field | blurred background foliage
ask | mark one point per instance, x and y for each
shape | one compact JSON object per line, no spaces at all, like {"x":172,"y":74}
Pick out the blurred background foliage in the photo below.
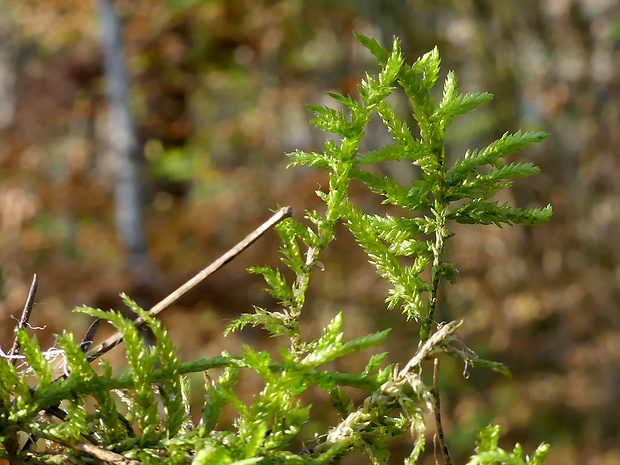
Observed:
{"x":218,"y":93}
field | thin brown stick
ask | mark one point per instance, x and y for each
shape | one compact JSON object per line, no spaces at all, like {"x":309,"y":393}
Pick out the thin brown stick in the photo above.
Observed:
{"x":23,"y":322}
{"x":100,"y":453}
{"x":442,"y":439}
{"x":117,"y":337}
{"x":90,"y":335}
{"x":103,"y":454}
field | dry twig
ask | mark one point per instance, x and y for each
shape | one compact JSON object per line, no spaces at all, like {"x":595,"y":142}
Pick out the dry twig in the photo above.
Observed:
{"x":23,"y":322}
{"x":117,"y":337}
{"x":89,"y":336}
{"x":437,"y":407}
{"x":101,"y":453}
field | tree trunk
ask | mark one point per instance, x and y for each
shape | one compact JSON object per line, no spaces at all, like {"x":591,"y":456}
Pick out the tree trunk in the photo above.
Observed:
{"x":7,"y":73}
{"x":124,"y":142}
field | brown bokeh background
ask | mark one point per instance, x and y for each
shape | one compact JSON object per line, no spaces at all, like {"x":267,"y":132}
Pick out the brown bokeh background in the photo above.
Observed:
{"x":218,"y":94}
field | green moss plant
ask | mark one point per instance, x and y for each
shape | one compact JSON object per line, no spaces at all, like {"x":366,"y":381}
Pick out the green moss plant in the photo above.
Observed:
{"x":142,"y":414}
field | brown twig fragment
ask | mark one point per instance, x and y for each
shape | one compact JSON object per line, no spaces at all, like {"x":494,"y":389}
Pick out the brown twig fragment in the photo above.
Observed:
{"x":90,"y":335}
{"x":437,"y":407}
{"x":99,"y":453}
{"x":103,"y":454}
{"x":23,"y":322}
{"x":117,"y":337}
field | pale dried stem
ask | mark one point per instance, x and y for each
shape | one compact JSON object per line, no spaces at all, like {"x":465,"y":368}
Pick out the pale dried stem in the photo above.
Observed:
{"x":117,"y":337}
{"x":100,"y":453}
{"x":390,"y":391}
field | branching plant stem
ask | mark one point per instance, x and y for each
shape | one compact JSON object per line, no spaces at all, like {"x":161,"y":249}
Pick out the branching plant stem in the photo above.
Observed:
{"x":398,"y":399}
{"x":425,"y":330}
